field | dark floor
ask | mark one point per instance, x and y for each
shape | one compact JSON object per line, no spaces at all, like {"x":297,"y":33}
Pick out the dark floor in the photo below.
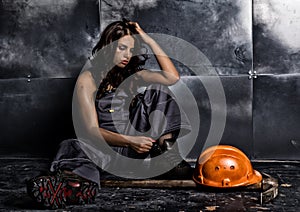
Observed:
{"x":15,"y":171}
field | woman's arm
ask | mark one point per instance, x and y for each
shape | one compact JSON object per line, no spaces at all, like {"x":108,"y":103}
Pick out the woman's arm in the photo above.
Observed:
{"x":84,"y":90}
{"x":169,"y":74}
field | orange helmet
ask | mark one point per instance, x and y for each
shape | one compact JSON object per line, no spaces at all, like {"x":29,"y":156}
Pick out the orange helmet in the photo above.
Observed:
{"x":225,"y":166}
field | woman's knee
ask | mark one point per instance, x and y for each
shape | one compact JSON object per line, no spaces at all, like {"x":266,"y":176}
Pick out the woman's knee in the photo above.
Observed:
{"x":156,"y":93}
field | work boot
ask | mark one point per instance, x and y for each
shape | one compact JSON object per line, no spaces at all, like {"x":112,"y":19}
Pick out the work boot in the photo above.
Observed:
{"x":181,"y":170}
{"x":61,"y":189}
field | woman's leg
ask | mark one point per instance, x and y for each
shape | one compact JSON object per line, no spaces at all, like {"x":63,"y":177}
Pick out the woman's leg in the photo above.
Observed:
{"x":70,"y":156}
{"x":156,"y":114}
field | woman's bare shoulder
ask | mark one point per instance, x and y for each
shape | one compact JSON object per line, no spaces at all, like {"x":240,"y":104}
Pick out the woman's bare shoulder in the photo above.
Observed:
{"x":86,"y":80}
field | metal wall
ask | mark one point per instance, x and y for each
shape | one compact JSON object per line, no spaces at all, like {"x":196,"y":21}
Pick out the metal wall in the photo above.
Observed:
{"x":276,"y":111}
{"x":45,"y":43}
{"x":222,"y":31}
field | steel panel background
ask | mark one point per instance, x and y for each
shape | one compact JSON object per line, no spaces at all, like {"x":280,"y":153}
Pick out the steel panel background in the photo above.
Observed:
{"x":276,"y":36}
{"x":47,"y":43}
{"x":48,"y":38}
{"x":43,"y":47}
{"x":35,"y":116}
{"x":276,"y":117}
{"x":222,"y":30}
{"x":238,"y":128}
{"x":276,"y":113}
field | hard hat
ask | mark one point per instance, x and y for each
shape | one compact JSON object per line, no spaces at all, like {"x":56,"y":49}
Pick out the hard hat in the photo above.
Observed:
{"x":225,"y":166}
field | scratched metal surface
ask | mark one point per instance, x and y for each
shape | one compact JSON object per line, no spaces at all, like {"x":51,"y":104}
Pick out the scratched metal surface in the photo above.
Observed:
{"x":276,"y":114}
{"x":276,"y":117}
{"x":276,"y":36}
{"x":43,"y":46}
{"x":238,"y":127}
{"x":41,"y":40}
{"x":35,"y":115}
{"x":220,"y":29}
{"x":48,"y":39}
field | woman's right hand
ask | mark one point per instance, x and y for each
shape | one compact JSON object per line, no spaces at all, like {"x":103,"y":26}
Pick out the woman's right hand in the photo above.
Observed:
{"x":140,"y":144}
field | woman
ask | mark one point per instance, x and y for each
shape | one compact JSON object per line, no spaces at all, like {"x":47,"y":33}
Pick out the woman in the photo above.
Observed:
{"x":134,"y":133}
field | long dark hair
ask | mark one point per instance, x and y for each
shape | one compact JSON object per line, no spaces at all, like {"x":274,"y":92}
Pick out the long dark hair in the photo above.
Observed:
{"x":103,"y":59}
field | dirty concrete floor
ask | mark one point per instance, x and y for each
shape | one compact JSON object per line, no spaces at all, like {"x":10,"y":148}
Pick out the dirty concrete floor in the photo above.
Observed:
{"x":14,"y":172}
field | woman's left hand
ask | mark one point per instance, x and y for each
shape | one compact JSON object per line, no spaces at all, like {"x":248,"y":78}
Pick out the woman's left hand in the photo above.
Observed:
{"x":147,"y":39}
{"x":137,"y":26}
{"x":169,"y":74}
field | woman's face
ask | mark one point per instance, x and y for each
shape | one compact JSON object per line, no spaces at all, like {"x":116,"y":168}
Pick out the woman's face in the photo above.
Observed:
{"x":124,"y":51}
